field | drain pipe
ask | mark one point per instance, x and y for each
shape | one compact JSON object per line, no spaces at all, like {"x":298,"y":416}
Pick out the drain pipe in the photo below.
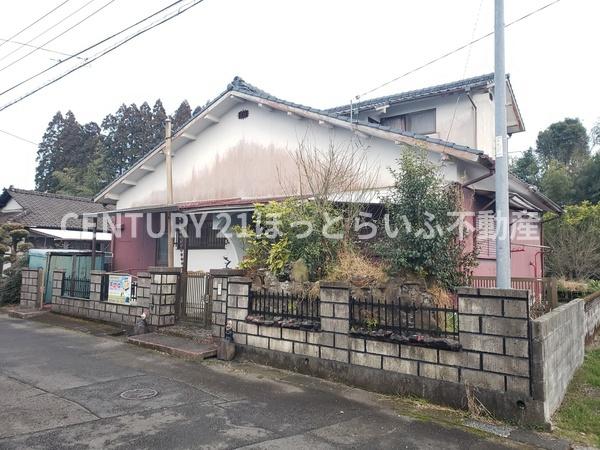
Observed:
{"x":478,"y":179}
{"x":474,"y":118}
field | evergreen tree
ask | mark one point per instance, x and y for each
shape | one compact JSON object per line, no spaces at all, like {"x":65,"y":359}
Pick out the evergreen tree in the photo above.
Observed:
{"x":557,"y":183}
{"x":182,"y":115}
{"x":45,"y":154}
{"x":526,"y":167}
{"x":566,"y":142}
{"x":158,"y":122}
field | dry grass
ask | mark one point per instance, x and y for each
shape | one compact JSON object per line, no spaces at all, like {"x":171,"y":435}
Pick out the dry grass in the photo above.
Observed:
{"x":441,"y":296}
{"x":357,"y":269}
{"x":474,"y":406}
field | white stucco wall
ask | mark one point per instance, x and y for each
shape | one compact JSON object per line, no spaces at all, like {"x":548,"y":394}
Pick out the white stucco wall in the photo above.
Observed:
{"x":12,"y":205}
{"x":463,"y":129}
{"x":250,"y":158}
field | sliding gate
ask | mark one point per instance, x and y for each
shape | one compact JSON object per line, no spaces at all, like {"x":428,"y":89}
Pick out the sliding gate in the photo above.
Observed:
{"x":195,"y":304}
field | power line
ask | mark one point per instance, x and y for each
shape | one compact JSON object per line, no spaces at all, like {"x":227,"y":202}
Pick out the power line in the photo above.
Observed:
{"x":76,"y":55}
{"x":103,"y":53}
{"x":35,"y":46}
{"x":18,"y":137}
{"x":456,"y":50}
{"x":89,"y":16}
{"x":36,"y":21}
{"x":48,"y":29}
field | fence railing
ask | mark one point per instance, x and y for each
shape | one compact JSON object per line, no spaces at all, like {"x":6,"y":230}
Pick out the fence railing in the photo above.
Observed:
{"x":284,"y":306}
{"x":543,"y":292}
{"x":403,"y":317}
{"x":75,"y":287}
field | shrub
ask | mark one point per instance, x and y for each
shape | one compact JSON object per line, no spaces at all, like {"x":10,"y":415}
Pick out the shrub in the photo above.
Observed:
{"x":279,"y":241}
{"x":418,"y":196}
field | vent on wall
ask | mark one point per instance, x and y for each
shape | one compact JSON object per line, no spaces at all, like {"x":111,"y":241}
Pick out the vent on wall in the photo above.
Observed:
{"x":243,"y":114}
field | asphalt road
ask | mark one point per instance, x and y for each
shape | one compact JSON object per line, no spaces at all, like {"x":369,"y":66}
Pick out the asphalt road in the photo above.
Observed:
{"x":60,"y":388}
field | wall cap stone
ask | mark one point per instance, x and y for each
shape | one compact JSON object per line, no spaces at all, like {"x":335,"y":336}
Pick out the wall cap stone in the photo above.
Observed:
{"x":334,"y":284}
{"x":239,"y":280}
{"x":493,"y":292}
{"x":158,"y":269}
{"x":227,"y":272}
{"x":97,"y":272}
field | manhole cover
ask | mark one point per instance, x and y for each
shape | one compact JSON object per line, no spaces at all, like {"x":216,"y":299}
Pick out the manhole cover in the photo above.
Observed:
{"x":139,"y":394}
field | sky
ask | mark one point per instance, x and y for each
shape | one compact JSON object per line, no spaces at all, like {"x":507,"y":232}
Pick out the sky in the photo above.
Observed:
{"x":314,"y":52}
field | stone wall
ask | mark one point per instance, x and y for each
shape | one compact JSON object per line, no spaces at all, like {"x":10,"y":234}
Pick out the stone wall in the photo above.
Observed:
{"x":592,"y":317}
{"x":493,"y":364}
{"x":156,"y":296}
{"x":219,"y":288}
{"x":32,"y":292}
{"x":558,"y":349}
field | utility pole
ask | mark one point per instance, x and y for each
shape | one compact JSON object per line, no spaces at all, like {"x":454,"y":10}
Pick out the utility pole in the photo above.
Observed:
{"x":169,"y":168}
{"x":502,"y":207}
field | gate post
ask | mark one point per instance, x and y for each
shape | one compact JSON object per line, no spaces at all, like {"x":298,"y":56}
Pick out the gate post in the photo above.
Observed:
{"x":218,"y":297}
{"x":163,"y":295}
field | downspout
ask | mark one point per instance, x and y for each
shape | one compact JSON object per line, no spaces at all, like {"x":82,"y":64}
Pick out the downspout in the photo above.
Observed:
{"x":474,"y":118}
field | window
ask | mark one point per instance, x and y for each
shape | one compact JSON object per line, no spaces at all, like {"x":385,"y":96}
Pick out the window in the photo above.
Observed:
{"x":419,"y":122}
{"x":208,"y":239}
{"x":486,"y":234}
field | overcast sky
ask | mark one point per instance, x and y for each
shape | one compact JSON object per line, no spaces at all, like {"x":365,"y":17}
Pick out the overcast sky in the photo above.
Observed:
{"x":315,"y":52}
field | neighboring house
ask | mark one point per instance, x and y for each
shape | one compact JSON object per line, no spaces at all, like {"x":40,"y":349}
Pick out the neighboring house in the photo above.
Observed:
{"x":236,"y":152}
{"x":42,"y":215}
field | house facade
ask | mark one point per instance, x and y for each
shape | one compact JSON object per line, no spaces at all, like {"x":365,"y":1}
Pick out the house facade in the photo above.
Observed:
{"x":239,"y":151}
{"x":52,"y":219}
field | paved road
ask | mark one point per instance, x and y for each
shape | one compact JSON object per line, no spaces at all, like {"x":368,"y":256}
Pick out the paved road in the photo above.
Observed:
{"x":60,"y":388}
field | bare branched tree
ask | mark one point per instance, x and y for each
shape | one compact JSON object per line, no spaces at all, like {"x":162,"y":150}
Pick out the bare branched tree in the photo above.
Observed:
{"x":341,"y":173}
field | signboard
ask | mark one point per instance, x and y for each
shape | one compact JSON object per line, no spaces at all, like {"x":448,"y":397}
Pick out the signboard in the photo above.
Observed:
{"x":119,"y":289}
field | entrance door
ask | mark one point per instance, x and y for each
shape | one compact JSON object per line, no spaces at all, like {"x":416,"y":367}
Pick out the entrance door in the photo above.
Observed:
{"x":195,"y":305}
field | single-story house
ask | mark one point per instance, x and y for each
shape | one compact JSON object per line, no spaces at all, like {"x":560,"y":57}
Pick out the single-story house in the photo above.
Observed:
{"x":237,"y":151}
{"x":52,"y":219}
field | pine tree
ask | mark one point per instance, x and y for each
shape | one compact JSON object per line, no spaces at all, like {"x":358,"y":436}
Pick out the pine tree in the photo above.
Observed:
{"x":182,"y":115}
{"x":45,"y":154}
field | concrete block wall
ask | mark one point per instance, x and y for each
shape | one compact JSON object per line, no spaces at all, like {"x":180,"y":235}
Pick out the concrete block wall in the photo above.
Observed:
{"x":494,"y":330}
{"x":93,"y":308}
{"x":592,"y":317}
{"x":219,"y":289}
{"x":558,"y":347}
{"x":495,"y":354}
{"x":164,"y":285}
{"x":31,"y":288}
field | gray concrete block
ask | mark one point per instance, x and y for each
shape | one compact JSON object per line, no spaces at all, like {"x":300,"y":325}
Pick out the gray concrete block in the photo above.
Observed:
{"x":482,"y":379}
{"x":365,"y":359}
{"x":341,"y":341}
{"x":248,"y":328}
{"x":341,"y":311}
{"x":400,"y":365}
{"x":480,"y":342}
{"x":515,"y":308}
{"x":517,"y":347}
{"x":334,"y":354}
{"x":320,"y":338}
{"x":258,"y":341}
{"x":293,"y":335}
{"x":469,"y":323}
{"x":471,"y":360}
{"x":506,"y":364}
{"x":480,"y":305}
{"x":504,"y":326}
{"x":383,"y":348}
{"x":418,"y":353}
{"x":335,"y":325}
{"x":356,"y":344}
{"x":438,"y":372}
{"x":326,"y":309}
{"x":301,"y":348}
{"x":281,"y":345}
{"x":267,"y":331}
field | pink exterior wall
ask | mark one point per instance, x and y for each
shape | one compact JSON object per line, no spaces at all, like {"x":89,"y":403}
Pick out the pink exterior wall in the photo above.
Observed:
{"x":133,"y":255}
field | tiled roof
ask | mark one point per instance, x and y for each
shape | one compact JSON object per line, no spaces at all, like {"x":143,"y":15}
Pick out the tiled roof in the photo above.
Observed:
{"x":239,"y":85}
{"x":468,"y":83}
{"x":41,"y":209}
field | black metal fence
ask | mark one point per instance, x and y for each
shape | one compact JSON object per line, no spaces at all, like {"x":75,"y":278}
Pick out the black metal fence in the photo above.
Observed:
{"x":284,"y":306}
{"x":400,"y":316}
{"x":75,"y":287}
